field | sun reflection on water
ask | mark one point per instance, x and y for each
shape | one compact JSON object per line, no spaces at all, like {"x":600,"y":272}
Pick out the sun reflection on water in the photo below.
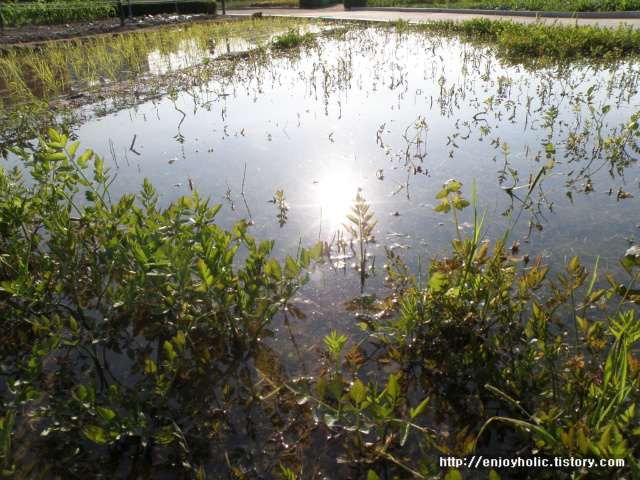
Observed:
{"x":335,"y":196}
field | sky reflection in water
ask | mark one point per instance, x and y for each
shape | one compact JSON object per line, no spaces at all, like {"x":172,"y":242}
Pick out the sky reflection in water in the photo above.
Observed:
{"x":346,"y":116}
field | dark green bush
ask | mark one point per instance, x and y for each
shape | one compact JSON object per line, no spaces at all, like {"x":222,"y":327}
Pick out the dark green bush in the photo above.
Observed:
{"x":313,"y":3}
{"x":64,"y":11}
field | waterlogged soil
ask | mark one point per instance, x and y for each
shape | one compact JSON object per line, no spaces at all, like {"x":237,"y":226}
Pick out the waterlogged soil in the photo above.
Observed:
{"x":31,"y":36}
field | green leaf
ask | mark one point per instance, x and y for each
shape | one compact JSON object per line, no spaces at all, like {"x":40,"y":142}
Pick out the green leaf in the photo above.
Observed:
{"x":372,"y":475}
{"x":358,"y":393}
{"x":150,"y":368}
{"x":55,"y":157}
{"x":72,"y":148}
{"x":240,"y":228}
{"x":54,"y":135}
{"x":291,"y":265}
{"x":286,"y":474}
{"x":575,"y":263}
{"x":213,"y":210}
{"x":81,"y":392}
{"x":353,"y":219}
{"x":596,"y":296}
{"x":393,"y":389}
{"x":442,"y":193}
{"x":86,"y":156}
{"x":169,"y":352}
{"x":106,"y":415}
{"x":336,"y":387}
{"x":455,"y":186}
{"x":95,"y":434}
{"x":304,"y":258}
{"x":453,"y":475}
{"x":438,"y":282}
{"x":276,"y":271}
{"x":205,"y":273}
{"x":420,"y":409}
{"x":321,"y":387}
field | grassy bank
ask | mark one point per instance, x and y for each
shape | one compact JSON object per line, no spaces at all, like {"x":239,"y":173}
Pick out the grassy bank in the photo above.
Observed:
{"x":522,"y":5}
{"x":520,"y":42}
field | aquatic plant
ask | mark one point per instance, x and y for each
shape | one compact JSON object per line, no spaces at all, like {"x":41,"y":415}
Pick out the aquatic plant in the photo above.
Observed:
{"x":280,"y":199}
{"x":79,"y":65}
{"x":83,"y":277}
{"x":293,"y":38}
{"x":478,"y":325}
{"x":361,"y":228}
{"x":169,"y":357}
{"x":544,"y":40}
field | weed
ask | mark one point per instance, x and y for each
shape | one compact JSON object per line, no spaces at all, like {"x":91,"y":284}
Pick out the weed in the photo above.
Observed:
{"x":292,"y":39}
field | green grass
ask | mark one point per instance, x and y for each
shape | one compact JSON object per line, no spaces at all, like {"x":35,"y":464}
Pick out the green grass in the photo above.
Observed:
{"x":517,"y":40}
{"x":522,"y":5}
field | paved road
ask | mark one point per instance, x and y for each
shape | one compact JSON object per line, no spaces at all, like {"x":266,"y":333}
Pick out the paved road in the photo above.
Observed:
{"x":414,"y":15}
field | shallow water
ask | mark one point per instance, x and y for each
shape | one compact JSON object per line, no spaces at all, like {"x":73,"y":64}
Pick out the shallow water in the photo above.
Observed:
{"x":347,"y":115}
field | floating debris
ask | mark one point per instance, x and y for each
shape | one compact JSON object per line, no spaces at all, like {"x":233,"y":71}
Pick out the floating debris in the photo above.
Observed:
{"x":633,"y":255}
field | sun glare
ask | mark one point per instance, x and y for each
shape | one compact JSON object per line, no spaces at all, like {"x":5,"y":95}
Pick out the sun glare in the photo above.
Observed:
{"x":335,"y":195}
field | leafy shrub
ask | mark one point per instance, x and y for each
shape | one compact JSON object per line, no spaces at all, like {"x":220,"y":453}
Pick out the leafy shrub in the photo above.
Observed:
{"x":84,"y":280}
{"x":61,"y":11}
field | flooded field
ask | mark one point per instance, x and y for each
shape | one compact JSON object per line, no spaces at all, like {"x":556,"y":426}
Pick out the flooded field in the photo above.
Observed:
{"x":338,"y":150}
{"x":393,"y":117}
